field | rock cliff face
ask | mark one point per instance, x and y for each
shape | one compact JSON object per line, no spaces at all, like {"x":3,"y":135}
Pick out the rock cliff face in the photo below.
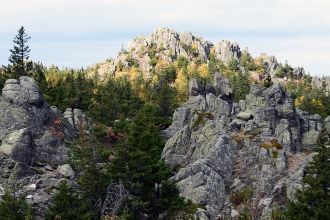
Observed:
{"x":219,"y":149}
{"x":34,"y":142}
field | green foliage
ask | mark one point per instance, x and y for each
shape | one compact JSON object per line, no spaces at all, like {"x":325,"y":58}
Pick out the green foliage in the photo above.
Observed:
{"x":313,"y":200}
{"x":245,"y":215}
{"x":87,"y":155}
{"x":240,"y":84}
{"x":213,"y":65}
{"x":280,"y":72}
{"x":162,"y":96}
{"x":113,"y":100}
{"x":153,"y":62}
{"x":233,"y":65}
{"x":132,"y":62}
{"x":13,"y":207}
{"x":247,"y":61}
{"x":65,"y":204}
{"x":3,"y":77}
{"x":19,"y":55}
{"x":309,"y":98}
{"x":182,"y":62}
{"x":138,"y":164}
{"x":268,"y":81}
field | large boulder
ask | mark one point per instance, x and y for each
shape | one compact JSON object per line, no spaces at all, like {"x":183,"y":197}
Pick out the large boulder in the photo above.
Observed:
{"x":18,"y":145}
{"x":222,"y":86}
{"x":202,"y":185}
{"x":195,"y":88}
{"x":22,"y":91}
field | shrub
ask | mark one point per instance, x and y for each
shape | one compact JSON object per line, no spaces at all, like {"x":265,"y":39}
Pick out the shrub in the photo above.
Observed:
{"x":201,"y":119}
{"x":65,"y":204}
{"x":241,"y":196}
{"x":274,"y":154}
{"x":273,"y":143}
{"x":153,"y":62}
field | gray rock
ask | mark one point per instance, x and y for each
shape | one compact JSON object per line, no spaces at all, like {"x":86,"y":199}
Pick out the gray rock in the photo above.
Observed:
{"x":49,"y":149}
{"x":180,"y":119}
{"x":245,"y":116}
{"x":66,"y":170}
{"x":309,"y":139}
{"x":222,"y":86}
{"x":327,"y":124}
{"x":226,"y":51}
{"x":18,"y":145}
{"x":202,"y":185}
{"x":298,"y":72}
{"x":270,"y":64}
{"x":195,"y":88}
{"x":23,"y":91}
{"x":208,"y":148}
{"x":296,"y":173}
{"x":201,"y":214}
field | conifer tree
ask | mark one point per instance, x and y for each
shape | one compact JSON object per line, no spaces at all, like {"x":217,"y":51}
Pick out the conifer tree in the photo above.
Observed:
{"x":313,"y":200}
{"x":13,"y":207}
{"x":19,"y":55}
{"x":65,"y":204}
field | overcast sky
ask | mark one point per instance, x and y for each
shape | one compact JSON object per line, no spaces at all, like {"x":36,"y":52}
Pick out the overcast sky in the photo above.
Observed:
{"x":77,"y":33}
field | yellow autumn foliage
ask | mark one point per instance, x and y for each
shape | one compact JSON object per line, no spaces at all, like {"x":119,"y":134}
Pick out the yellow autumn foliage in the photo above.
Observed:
{"x":203,"y":70}
{"x":192,"y":67}
{"x":181,"y":85}
{"x":299,"y":100}
{"x":317,"y":104}
{"x":161,"y":66}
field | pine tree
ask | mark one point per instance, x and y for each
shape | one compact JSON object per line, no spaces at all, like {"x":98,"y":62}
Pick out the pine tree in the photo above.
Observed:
{"x":268,"y":81}
{"x":14,"y":207}
{"x":65,"y":204}
{"x":19,"y":65}
{"x":313,"y":200}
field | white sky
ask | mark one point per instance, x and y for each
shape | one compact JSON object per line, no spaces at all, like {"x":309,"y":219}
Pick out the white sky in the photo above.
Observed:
{"x":82,"y":32}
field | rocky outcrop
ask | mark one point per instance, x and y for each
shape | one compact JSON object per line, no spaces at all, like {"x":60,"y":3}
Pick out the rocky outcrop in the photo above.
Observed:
{"x":218,"y":148}
{"x":226,"y":51}
{"x":34,"y":141}
{"x":165,"y":46}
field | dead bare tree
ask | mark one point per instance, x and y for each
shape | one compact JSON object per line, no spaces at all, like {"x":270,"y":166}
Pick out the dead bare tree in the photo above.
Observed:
{"x":116,"y":194}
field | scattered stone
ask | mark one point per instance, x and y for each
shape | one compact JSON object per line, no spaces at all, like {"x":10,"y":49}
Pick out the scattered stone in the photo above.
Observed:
{"x":234,"y":213}
{"x":66,"y":170}
{"x":244,"y":116}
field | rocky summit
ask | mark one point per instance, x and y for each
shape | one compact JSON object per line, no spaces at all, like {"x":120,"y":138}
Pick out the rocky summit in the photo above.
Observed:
{"x":175,"y":127}
{"x":34,"y":142}
{"x":220,"y":149}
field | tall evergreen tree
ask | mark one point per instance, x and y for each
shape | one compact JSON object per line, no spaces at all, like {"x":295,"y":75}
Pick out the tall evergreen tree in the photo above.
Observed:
{"x":313,"y":200}
{"x":13,"y":207}
{"x":19,"y":55}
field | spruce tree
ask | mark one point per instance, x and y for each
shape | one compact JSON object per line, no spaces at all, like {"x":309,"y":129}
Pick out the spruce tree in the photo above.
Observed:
{"x":13,"y":207}
{"x":65,"y":204}
{"x":313,"y":200}
{"x":19,"y":55}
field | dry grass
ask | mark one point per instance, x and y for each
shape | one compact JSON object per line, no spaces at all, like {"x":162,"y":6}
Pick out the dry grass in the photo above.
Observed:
{"x":201,"y":119}
{"x":273,"y":143}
